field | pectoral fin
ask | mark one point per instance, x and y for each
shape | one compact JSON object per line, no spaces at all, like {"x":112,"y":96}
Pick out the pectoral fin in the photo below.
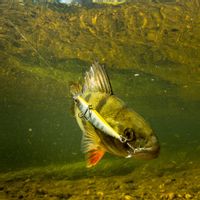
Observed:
{"x":91,"y":145}
{"x":94,"y":156}
{"x":90,"y":139}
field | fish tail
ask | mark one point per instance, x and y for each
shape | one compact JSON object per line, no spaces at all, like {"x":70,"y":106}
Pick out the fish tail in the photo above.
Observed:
{"x":75,"y":88}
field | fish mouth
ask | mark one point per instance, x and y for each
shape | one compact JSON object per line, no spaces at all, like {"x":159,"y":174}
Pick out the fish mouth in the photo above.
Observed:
{"x":149,"y":151}
{"x":146,"y":152}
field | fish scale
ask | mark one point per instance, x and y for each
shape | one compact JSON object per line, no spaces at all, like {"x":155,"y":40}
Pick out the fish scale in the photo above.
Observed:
{"x":104,"y":120}
{"x":95,"y":118}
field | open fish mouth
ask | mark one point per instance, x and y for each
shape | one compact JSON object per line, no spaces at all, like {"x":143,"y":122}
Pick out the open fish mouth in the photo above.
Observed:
{"x":149,"y":151}
{"x":144,"y":152}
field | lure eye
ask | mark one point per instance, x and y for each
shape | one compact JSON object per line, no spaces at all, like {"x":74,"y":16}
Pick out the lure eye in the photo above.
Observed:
{"x":129,"y":134}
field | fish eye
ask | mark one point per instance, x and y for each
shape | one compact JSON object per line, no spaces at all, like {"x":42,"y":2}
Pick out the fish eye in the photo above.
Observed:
{"x":129,"y":133}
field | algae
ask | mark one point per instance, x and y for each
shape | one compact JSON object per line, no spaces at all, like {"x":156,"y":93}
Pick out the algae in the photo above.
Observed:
{"x":135,"y":35}
{"x":151,"y":51}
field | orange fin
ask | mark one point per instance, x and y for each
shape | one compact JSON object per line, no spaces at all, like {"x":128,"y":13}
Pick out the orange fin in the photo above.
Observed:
{"x":94,"y":156}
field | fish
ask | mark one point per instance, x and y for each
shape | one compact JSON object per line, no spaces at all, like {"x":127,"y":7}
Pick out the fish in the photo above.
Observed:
{"x":107,"y":123}
{"x":91,"y":115}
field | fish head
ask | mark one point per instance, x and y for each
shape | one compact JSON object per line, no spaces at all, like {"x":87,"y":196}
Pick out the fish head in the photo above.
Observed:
{"x":140,"y":142}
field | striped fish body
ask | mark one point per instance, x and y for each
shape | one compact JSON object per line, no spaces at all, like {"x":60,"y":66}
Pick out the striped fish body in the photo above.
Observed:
{"x":108,"y":107}
{"x":90,"y":114}
{"x":97,"y":92}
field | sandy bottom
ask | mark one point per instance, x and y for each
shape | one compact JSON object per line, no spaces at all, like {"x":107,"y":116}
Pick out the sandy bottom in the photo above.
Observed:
{"x":169,"y":180}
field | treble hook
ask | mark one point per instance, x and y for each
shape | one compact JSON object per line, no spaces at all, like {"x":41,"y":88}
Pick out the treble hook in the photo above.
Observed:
{"x":83,"y":115}
{"x":131,"y":147}
{"x":123,"y":139}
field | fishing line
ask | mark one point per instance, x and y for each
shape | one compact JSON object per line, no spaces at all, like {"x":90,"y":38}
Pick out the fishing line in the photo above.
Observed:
{"x":28,"y":42}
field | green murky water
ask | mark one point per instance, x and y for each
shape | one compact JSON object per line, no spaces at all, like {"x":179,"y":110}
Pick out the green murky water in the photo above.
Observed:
{"x":39,"y":138}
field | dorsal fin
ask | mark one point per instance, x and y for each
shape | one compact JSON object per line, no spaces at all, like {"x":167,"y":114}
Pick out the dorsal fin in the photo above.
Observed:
{"x":97,"y":80}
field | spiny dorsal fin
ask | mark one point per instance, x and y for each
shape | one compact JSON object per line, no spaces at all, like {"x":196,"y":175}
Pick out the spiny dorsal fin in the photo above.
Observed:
{"x":97,"y":80}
